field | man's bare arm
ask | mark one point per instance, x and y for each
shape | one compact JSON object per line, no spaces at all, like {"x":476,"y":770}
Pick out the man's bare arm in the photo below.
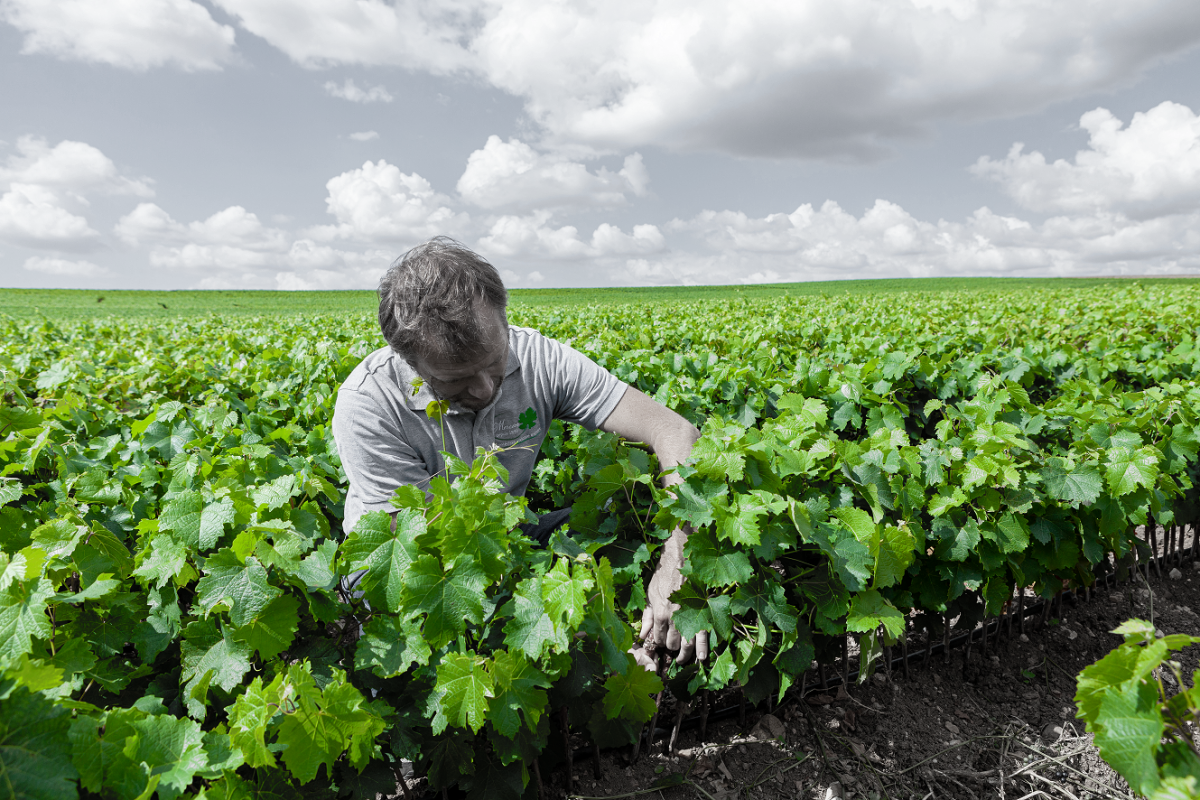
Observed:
{"x":639,"y":418}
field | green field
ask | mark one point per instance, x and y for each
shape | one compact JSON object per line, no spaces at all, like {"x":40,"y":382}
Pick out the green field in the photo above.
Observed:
{"x":81,"y":303}
{"x":874,"y":463}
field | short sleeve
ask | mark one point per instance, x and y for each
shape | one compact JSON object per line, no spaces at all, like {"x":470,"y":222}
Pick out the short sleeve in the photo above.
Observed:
{"x":374,"y":455}
{"x":584,"y":392}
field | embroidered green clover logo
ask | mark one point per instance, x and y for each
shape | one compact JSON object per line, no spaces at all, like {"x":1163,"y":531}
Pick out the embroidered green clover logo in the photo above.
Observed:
{"x":528,"y":419}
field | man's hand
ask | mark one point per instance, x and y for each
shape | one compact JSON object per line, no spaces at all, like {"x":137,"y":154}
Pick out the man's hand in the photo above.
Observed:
{"x":657,"y":629}
{"x":639,"y":418}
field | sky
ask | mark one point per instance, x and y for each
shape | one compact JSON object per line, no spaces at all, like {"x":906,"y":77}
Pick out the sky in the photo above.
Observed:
{"x":306,"y":144}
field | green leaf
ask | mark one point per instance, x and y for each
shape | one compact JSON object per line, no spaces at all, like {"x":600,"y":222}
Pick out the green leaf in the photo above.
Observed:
{"x":58,"y":537}
{"x":1014,"y":534}
{"x":528,"y":627}
{"x":462,"y":692}
{"x":450,"y":600}
{"x":715,"y":565}
{"x":94,"y":487}
{"x":1128,"y":469}
{"x":182,"y":515}
{"x":243,"y":588}
{"x":321,"y":726}
{"x":249,"y":717}
{"x":386,"y":556}
{"x":23,"y":616}
{"x":518,"y":687}
{"x":629,"y":695}
{"x":206,"y":648}
{"x":277,"y":493}
{"x":895,"y":551}
{"x":1128,"y":735}
{"x":273,"y":630}
{"x":34,"y":747}
{"x":869,"y":610}
{"x":565,"y":592}
{"x":1078,"y":486}
{"x":213,"y":520}
{"x":166,"y":559}
{"x":389,"y":646}
{"x":169,"y":748}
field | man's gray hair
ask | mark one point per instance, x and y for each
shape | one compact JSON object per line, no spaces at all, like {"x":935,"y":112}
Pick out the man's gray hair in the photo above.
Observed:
{"x":431,"y":298}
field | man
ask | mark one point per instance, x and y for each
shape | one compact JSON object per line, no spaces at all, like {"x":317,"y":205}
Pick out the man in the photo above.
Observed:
{"x":442,"y":312}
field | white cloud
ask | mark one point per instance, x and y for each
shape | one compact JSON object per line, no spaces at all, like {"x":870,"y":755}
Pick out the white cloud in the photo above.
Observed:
{"x":534,"y":237}
{"x":430,"y":36}
{"x":58,"y":266}
{"x":828,"y":243}
{"x":379,"y":203}
{"x":512,"y":176}
{"x":133,"y":34}
{"x":1150,"y":167}
{"x":74,"y":167}
{"x":364,"y":136}
{"x":350,"y":91}
{"x":810,"y":78}
{"x":232,"y":227}
{"x":33,"y":216}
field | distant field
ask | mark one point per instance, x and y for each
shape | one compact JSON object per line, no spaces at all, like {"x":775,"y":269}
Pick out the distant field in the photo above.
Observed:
{"x":75,"y":303}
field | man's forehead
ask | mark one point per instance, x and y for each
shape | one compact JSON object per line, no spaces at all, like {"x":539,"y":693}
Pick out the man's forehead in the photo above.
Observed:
{"x":449,"y":366}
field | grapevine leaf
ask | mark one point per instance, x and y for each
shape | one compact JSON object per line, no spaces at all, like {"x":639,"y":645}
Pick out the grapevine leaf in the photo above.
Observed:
{"x":34,"y":747}
{"x":23,"y":616}
{"x":896,"y":550}
{"x":272,"y":631}
{"x":519,"y":690}
{"x":166,"y":559}
{"x":171,"y":749}
{"x":629,"y":695}
{"x":110,"y":548}
{"x":712,"y":565}
{"x":869,"y":610}
{"x":1128,"y":735}
{"x":316,"y":569}
{"x":213,"y":520}
{"x":1014,"y":534}
{"x":714,"y":458}
{"x":182,"y":516}
{"x":448,"y":599}
{"x":1129,"y":469}
{"x":565,"y":594}
{"x":462,"y":692}
{"x":248,"y":720}
{"x":389,"y":646}
{"x":385,"y":555}
{"x":205,"y":648}
{"x":529,"y":628}
{"x":277,"y":493}
{"x":1077,"y":486}
{"x":241,"y":587}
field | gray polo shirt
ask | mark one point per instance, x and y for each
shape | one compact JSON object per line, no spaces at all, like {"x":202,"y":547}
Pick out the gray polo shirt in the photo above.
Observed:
{"x":385,"y":439}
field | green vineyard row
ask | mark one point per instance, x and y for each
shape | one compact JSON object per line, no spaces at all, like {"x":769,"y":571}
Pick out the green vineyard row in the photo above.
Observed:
{"x":171,"y":618}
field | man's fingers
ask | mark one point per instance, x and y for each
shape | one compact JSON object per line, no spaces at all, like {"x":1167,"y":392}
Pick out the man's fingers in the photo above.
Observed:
{"x":686,"y":653}
{"x":643,"y":657}
{"x":674,"y":640}
{"x":702,"y":646}
{"x":647,"y":622}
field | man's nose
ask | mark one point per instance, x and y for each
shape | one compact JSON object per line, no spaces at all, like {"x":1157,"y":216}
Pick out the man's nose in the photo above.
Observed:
{"x":482,"y":386}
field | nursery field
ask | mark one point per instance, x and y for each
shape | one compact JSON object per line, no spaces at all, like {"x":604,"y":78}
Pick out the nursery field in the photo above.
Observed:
{"x":874,"y":465}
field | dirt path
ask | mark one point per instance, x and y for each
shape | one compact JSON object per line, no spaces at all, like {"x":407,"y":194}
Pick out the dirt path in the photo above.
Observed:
{"x":1001,"y":725}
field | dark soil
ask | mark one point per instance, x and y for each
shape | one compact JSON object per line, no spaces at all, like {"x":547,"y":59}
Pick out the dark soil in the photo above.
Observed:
{"x":1000,"y":723}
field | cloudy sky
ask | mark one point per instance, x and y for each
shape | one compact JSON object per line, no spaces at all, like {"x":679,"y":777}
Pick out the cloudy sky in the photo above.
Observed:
{"x":306,"y":143}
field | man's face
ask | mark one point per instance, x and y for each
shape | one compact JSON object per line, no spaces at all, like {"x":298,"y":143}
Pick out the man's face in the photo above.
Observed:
{"x":471,"y":384}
